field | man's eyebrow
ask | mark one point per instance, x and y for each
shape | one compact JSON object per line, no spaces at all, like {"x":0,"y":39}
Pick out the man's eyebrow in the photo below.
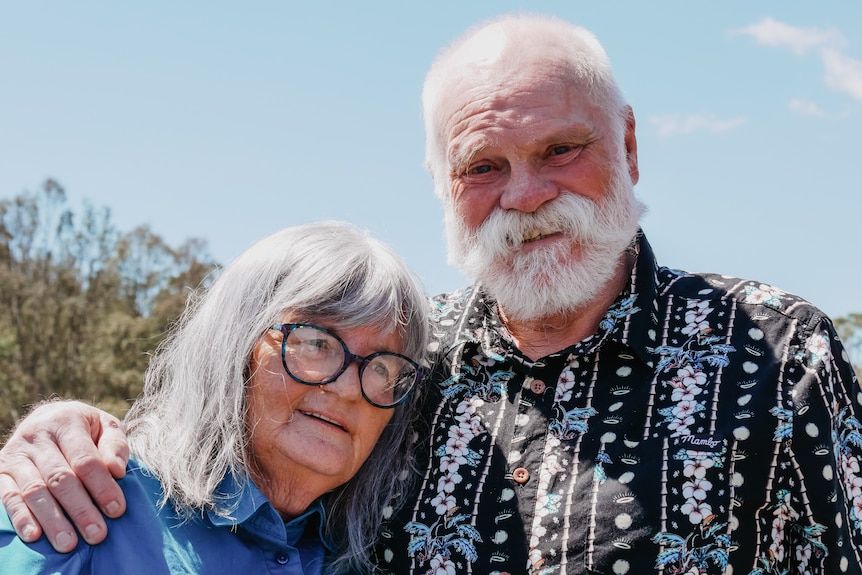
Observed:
{"x":575,"y":134}
{"x":461,"y":158}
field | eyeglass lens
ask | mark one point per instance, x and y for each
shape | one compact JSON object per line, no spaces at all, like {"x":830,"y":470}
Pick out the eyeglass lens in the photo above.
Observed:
{"x":316,"y":357}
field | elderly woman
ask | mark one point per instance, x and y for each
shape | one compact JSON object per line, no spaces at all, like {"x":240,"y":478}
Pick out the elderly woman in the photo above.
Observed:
{"x":272,"y":429}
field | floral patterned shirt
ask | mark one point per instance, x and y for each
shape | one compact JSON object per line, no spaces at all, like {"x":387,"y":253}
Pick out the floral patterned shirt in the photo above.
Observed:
{"x":710,"y":425}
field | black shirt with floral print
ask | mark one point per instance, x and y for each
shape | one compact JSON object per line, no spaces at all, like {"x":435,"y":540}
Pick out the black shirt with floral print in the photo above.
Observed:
{"x":710,"y":425}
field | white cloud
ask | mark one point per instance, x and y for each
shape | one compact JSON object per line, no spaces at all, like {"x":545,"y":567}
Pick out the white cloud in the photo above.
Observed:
{"x":769,"y":32}
{"x":806,"y":108}
{"x":672,"y":124}
{"x":842,"y":73}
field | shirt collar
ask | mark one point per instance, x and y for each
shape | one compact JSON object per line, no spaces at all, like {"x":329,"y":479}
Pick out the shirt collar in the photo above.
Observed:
{"x":642,"y":327}
{"x":246,"y":506}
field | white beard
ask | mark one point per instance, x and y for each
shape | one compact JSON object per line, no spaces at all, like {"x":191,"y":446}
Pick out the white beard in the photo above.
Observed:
{"x":543,"y":282}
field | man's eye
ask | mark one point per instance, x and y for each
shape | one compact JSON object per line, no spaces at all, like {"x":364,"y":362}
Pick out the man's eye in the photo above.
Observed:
{"x":479,"y":170}
{"x":561,"y":149}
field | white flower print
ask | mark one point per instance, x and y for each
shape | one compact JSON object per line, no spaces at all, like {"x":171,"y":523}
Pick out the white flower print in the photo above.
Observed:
{"x":696,"y":510}
{"x":455,"y":453}
{"x":457,"y":446}
{"x":682,"y":417}
{"x":565,"y":385}
{"x":818,"y":348}
{"x":764,"y":294}
{"x":535,"y":555}
{"x":697,"y":468}
{"x":448,"y":482}
{"x":450,"y":463}
{"x":777,"y":545}
{"x":695,"y":317}
{"x":696,"y":489}
{"x":803,"y":555}
{"x":442,"y":503}
{"x":853,"y":484}
{"x":687,"y":383}
{"x":441,"y":566}
{"x":468,"y":422}
{"x":784,"y":514}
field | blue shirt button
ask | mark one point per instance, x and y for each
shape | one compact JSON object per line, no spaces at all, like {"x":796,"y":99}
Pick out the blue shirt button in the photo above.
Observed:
{"x":282,"y":558}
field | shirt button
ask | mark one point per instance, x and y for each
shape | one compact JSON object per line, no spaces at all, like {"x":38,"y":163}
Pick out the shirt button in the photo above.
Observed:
{"x":537,"y":386}
{"x":282,"y":558}
{"x":521,"y":475}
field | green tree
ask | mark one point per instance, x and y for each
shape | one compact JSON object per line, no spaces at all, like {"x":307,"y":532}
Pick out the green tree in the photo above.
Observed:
{"x":82,"y":303}
{"x":849,"y":329}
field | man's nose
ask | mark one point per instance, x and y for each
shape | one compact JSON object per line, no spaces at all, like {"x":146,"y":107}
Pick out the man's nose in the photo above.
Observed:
{"x":526,"y":190}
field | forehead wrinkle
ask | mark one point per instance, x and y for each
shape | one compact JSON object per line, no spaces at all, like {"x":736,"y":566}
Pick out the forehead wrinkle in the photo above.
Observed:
{"x":487,"y":112}
{"x":478,"y":123}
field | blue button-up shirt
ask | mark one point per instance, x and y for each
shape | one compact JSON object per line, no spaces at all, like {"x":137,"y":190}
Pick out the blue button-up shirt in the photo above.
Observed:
{"x":152,"y":540}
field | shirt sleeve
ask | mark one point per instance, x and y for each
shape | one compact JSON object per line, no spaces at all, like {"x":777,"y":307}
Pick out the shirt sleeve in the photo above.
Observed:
{"x":822,"y":507}
{"x":39,"y":557}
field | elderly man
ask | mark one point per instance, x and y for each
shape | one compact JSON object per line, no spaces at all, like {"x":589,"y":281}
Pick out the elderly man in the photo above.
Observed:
{"x":591,"y":412}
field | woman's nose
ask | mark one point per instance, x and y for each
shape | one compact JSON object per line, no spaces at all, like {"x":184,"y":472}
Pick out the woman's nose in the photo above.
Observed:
{"x":348,"y":384}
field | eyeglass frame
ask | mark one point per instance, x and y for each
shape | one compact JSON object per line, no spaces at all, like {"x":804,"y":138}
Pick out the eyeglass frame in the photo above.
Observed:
{"x":349,"y":358}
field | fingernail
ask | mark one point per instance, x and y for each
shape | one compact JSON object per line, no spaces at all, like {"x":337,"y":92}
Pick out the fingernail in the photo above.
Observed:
{"x":64,"y":540}
{"x":92,"y":530}
{"x":112,"y":508}
{"x":29,"y":532}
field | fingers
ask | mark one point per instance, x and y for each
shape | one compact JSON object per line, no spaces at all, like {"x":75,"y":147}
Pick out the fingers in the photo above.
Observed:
{"x":30,"y":505}
{"x":113,"y":446}
{"x":51,"y":462}
{"x":23,"y":521}
{"x":96,"y":467}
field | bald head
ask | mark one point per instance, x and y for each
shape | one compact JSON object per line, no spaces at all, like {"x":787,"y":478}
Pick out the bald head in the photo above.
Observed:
{"x":501,"y":51}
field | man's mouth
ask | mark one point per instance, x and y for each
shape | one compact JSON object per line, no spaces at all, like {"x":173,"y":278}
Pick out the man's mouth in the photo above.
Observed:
{"x":535,"y":235}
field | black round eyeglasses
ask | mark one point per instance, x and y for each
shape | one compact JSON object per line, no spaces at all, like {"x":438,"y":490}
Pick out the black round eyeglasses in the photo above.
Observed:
{"x":313,"y":355}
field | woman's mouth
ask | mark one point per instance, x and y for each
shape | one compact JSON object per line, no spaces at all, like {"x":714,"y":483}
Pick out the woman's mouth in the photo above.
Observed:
{"x":323,"y":418}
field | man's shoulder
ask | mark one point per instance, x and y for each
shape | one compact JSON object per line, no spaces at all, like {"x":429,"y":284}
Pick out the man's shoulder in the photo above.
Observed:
{"x":705,"y":286}
{"x":450,"y":313}
{"x":447,"y":306}
{"x":456,"y":295}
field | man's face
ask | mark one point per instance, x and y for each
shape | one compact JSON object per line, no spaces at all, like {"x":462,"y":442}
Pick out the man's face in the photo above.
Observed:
{"x":540,"y":208}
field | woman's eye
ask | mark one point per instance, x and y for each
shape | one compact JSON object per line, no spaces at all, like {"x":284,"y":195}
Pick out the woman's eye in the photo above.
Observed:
{"x":315,"y":345}
{"x":381,"y":370}
{"x":561,"y":149}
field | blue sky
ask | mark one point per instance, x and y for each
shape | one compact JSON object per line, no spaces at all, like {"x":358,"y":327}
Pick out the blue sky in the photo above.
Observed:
{"x":229,"y":120}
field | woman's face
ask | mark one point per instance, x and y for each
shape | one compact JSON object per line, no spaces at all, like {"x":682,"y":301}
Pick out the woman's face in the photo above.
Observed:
{"x":307,"y":440}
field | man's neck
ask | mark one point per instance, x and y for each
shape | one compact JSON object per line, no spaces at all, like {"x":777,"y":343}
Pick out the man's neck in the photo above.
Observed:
{"x":539,"y":337}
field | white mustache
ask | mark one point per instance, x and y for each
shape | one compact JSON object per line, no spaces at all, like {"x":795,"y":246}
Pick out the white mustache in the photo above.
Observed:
{"x":569,"y":214}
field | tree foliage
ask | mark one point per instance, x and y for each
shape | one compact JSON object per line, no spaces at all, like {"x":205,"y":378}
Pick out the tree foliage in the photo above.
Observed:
{"x":82,"y":303}
{"x":849,"y":329}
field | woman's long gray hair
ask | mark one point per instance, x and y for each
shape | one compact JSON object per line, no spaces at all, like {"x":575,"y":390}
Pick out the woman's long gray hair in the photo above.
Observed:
{"x":189,"y":425}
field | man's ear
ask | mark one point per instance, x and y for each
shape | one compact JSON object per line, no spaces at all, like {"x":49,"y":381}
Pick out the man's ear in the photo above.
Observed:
{"x":631,"y":143}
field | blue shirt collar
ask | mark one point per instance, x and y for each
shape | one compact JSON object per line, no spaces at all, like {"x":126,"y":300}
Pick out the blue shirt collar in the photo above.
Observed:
{"x":243,"y":505}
